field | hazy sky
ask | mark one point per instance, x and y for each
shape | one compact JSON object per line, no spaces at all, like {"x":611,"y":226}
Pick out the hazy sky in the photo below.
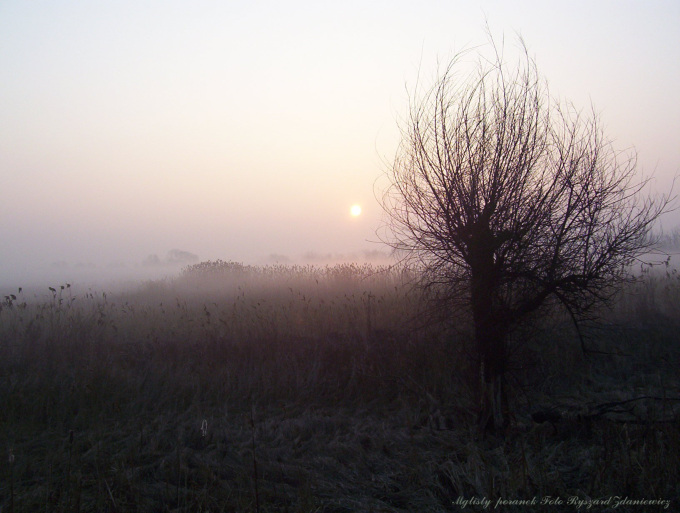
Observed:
{"x":238,"y":130}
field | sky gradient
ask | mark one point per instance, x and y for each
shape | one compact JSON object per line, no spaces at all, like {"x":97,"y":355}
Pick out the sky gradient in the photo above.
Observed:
{"x":246,"y":130}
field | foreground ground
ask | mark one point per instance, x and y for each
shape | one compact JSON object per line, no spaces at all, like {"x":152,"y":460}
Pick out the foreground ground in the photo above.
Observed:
{"x":299,"y":389}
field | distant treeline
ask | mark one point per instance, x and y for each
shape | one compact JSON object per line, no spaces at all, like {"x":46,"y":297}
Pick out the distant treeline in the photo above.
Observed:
{"x":670,"y":240}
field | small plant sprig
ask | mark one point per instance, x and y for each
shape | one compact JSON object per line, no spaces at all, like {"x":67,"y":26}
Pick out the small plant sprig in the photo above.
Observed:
{"x":10,"y":460}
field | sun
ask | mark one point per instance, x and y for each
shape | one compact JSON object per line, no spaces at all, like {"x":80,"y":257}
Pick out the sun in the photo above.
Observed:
{"x":355,"y":210}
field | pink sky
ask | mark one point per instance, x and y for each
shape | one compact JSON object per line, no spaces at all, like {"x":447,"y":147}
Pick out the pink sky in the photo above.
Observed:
{"x":238,"y":130}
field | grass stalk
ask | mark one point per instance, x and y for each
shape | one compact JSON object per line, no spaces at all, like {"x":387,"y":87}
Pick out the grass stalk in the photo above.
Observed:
{"x":253,"y":447}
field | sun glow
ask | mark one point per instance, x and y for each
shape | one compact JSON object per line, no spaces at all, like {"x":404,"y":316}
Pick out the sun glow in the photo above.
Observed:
{"x":355,"y":210}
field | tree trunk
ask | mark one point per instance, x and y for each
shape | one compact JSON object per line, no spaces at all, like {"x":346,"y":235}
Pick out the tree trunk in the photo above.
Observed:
{"x":490,"y":332}
{"x":491,"y":347}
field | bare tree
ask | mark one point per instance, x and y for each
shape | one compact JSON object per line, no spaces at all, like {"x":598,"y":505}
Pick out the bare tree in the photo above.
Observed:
{"x":512,"y":203}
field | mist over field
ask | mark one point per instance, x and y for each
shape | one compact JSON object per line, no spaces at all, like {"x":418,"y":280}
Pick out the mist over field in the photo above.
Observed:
{"x":295,"y":387}
{"x":122,"y":274}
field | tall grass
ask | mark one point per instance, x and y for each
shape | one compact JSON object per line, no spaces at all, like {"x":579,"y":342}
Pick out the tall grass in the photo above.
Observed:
{"x":286,"y":388}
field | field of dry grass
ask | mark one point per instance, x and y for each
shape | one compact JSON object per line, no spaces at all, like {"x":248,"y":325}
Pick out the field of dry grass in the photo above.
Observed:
{"x":302,"y":389}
